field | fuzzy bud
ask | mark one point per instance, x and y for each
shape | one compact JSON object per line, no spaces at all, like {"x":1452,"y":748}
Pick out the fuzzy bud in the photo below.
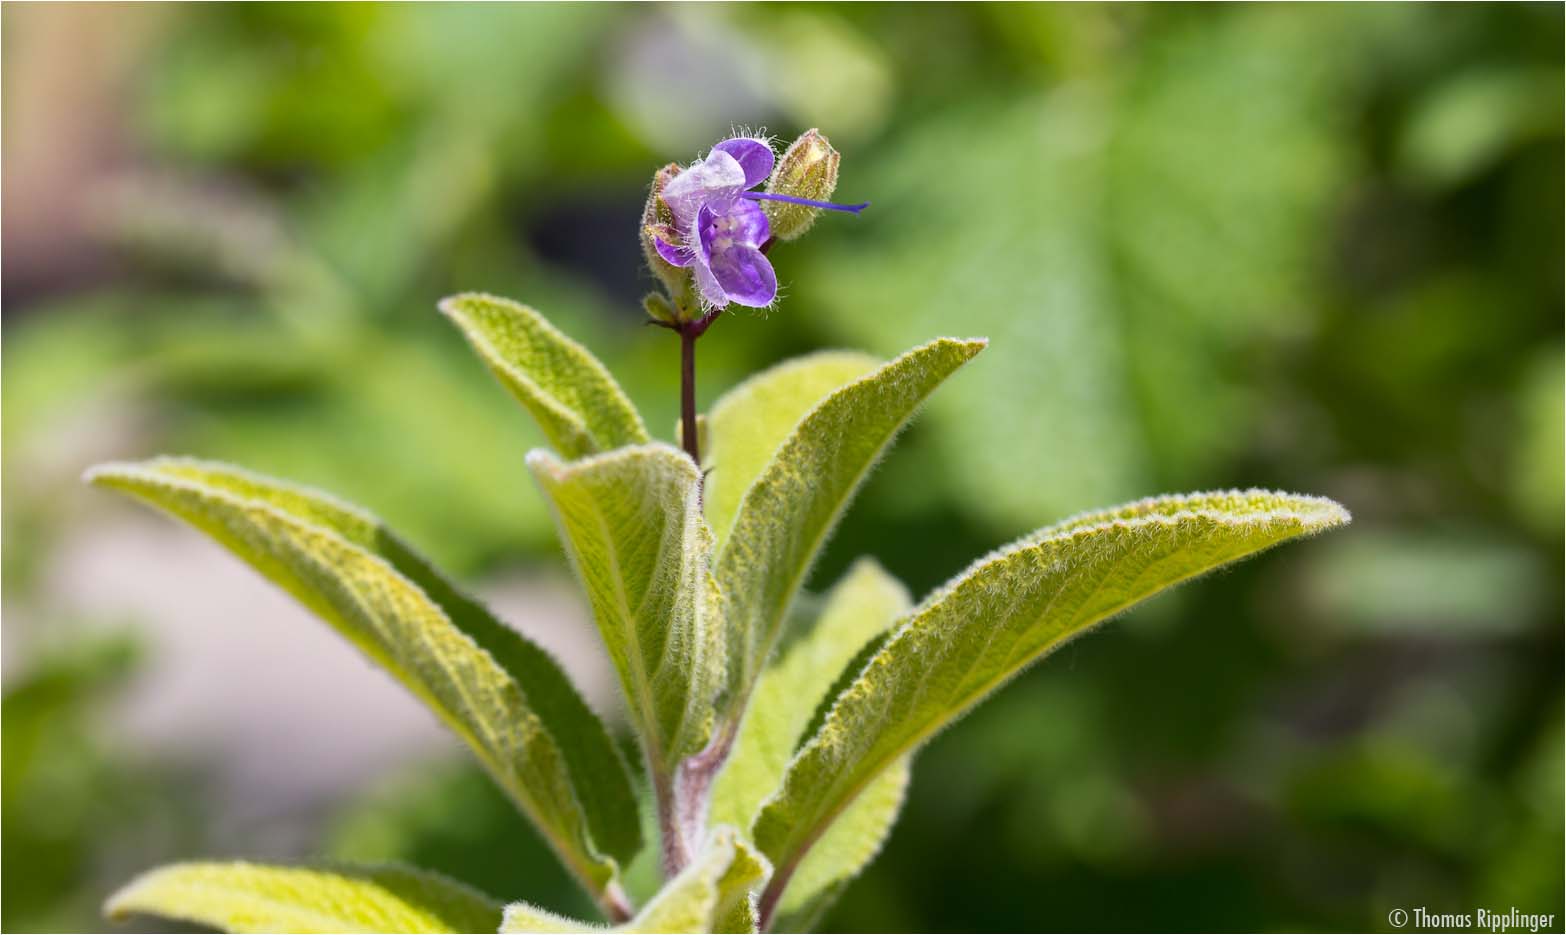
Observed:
{"x":808,"y":169}
{"x":658,"y":308}
{"x":656,"y":217}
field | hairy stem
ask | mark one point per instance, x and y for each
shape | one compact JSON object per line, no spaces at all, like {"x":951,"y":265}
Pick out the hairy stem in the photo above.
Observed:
{"x":683,"y":798}
{"x":676,"y":853}
{"x":683,"y":820}
{"x":689,"y":439}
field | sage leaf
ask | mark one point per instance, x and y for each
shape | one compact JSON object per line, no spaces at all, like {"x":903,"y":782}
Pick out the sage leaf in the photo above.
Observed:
{"x":716,"y":893}
{"x":501,"y":693}
{"x":859,"y":608}
{"x":786,"y":514}
{"x":847,"y":846}
{"x":575,"y":400}
{"x":245,"y":897}
{"x":632,"y":524}
{"x":1002,"y":613}
{"x":750,"y":421}
{"x":526,"y":917}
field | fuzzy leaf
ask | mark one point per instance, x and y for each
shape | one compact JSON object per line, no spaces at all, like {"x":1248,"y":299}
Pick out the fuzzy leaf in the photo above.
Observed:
{"x":580,"y":407}
{"x":526,"y":917}
{"x":1004,"y":612}
{"x":716,"y":893}
{"x":245,"y":897}
{"x":501,"y":693}
{"x":858,"y":608}
{"x":847,"y":846}
{"x":631,"y":520}
{"x":749,"y":422}
{"x":786,"y":515}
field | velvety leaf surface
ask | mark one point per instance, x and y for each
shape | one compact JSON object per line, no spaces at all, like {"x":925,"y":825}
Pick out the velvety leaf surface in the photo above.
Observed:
{"x":504,"y":695}
{"x":631,"y":520}
{"x":864,"y":603}
{"x":1001,"y":614}
{"x":787,"y":513}
{"x":857,"y":609}
{"x":580,"y":407}
{"x":245,"y":897}
{"x":748,"y":423}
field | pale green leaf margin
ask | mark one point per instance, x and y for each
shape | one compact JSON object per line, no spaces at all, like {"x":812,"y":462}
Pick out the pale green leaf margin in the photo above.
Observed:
{"x":750,"y":421}
{"x":632,"y":524}
{"x":858,"y":608}
{"x":502,"y":694}
{"x":789,"y":510}
{"x":246,"y":897}
{"x":1005,"y":611}
{"x":571,"y":394}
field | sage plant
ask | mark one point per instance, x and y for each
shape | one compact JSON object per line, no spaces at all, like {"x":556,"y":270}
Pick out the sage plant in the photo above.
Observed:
{"x":775,"y":729}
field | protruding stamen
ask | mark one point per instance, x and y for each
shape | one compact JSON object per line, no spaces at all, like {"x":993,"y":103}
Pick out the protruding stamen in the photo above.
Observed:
{"x":830,"y":206}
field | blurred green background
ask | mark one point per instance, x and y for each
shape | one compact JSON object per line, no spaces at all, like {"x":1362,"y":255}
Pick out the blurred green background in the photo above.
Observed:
{"x":1309,"y":247}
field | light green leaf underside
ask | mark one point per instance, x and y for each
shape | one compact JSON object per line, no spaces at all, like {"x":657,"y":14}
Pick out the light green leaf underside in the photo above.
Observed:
{"x":787,"y":513}
{"x":748,"y":423}
{"x":844,"y":850}
{"x":716,"y":893}
{"x":1005,"y":611}
{"x":861,"y":605}
{"x":580,"y":407}
{"x":524,"y":917}
{"x":244,"y":897}
{"x":858,"y":608}
{"x":631,"y":520}
{"x":502,"y":694}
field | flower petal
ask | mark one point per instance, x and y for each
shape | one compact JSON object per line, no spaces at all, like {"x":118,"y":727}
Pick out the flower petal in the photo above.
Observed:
{"x":711,"y":290}
{"x":720,"y":226}
{"x":704,"y":233}
{"x":666,"y":242}
{"x":753,"y":155}
{"x":716,"y":178}
{"x":745,"y":275}
{"x":747,"y":223}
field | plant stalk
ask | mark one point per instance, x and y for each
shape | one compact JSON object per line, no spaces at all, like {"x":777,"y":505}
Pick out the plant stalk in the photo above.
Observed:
{"x":689,"y":437}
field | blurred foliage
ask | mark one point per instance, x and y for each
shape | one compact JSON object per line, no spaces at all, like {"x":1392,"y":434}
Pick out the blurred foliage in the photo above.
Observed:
{"x":1313,"y":248}
{"x":79,"y":809}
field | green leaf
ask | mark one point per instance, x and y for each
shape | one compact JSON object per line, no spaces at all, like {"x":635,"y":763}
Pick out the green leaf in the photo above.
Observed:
{"x":632,"y":524}
{"x":859,"y":608}
{"x":1004,"y":612}
{"x":789,"y":510}
{"x":713,"y":894}
{"x":748,"y":423}
{"x":525,"y":917}
{"x":504,"y":695}
{"x":580,"y":407}
{"x":245,"y":897}
{"x":716,"y":893}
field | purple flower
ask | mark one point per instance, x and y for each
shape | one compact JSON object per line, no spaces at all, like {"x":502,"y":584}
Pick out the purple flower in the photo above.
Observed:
{"x":719,"y":230}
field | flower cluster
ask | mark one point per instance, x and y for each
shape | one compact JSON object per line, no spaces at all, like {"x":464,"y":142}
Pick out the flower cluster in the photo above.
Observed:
{"x":706,"y":231}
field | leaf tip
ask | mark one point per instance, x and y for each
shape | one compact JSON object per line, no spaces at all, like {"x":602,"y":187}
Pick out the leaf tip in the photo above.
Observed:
{"x":126,"y":901}
{"x":544,"y":461}
{"x":451,"y":305}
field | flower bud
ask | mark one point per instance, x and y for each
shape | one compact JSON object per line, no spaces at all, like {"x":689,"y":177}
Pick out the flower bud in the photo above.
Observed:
{"x":656,"y":216}
{"x":658,"y":308}
{"x":808,"y":169}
